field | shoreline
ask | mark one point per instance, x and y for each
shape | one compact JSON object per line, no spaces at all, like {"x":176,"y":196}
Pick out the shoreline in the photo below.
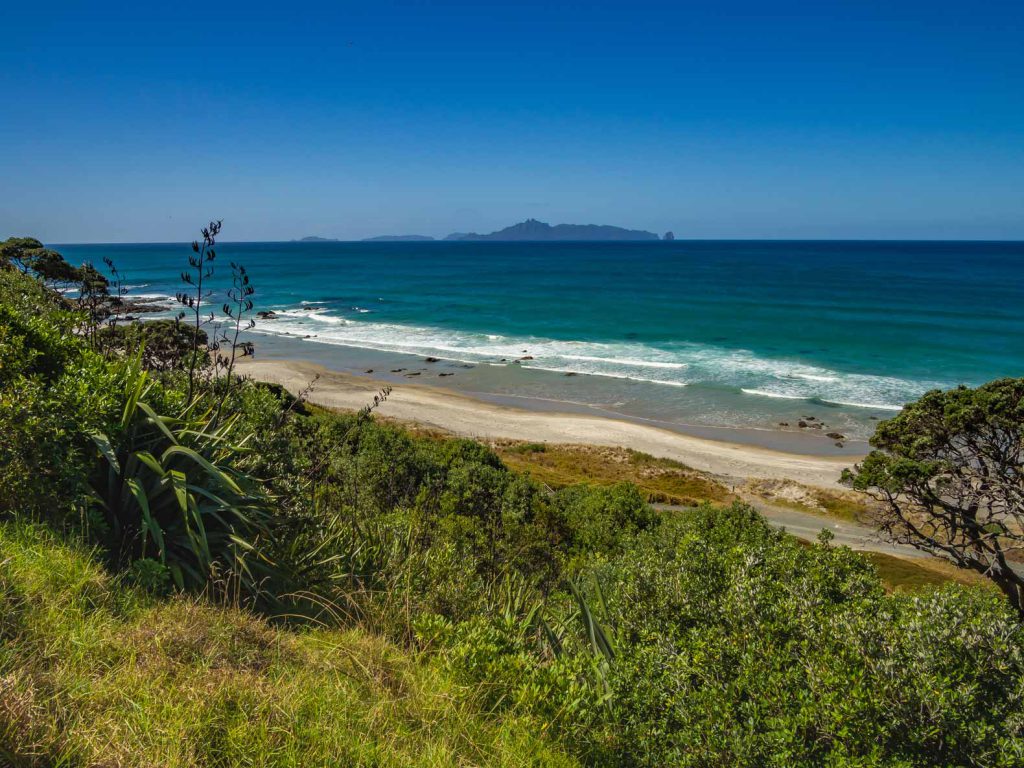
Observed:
{"x":467,"y":416}
{"x":619,"y":399}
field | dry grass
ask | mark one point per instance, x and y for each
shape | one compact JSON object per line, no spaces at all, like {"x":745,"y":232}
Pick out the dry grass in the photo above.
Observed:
{"x":903,"y":573}
{"x":848,"y":506}
{"x":660,"y":480}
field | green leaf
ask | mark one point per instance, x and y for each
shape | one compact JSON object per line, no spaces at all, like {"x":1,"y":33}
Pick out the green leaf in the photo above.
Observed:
{"x":151,"y":525}
{"x":106,"y":449}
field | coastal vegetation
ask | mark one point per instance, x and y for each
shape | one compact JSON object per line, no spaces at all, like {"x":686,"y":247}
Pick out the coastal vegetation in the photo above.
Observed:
{"x":198,"y":569}
{"x":947,"y":472}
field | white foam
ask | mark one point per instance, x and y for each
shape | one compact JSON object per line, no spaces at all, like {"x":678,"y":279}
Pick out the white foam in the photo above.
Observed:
{"x":150,"y":296}
{"x":677,"y":364}
{"x":874,"y":406}
{"x":777,"y":395}
{"x":627,"y":361}
{"x":814,"y":377}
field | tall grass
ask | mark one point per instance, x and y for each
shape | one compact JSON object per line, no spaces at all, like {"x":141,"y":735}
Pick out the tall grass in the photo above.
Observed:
{"x":94,"y":673}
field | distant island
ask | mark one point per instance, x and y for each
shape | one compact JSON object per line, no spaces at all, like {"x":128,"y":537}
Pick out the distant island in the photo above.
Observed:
{"x":524,"y":231}
{"x":531,"y":229}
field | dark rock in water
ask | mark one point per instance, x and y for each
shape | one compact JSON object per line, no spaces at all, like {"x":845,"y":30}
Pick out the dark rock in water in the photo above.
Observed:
{"x":801,"y":423}
{"x":838,"y":444}
{"x":571,"y":373}
{"x":467,"y":365}
{"x":670,"y":235}
{"x":137,"y":306}
{"x":516,"y":362}
{"x":369,"y":370}
{"x":836,"y":436}
{"x":783,"y":423}
{"x":267,"y":314}
{"x":446,"y":374}
{"x":809,"y":418}
{"x":527,"y":357}
{"x":432,"y":360}
{"x":873,"y":418}
{"x":504,"y":360}
{"x":414,"y":373}
{"x":397,"y":370}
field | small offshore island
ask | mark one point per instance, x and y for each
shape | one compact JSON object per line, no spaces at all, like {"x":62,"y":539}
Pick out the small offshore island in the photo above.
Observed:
{"x":532,"y":230}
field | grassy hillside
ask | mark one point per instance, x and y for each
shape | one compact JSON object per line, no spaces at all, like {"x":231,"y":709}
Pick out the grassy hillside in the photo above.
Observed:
{"x":95,"y":672}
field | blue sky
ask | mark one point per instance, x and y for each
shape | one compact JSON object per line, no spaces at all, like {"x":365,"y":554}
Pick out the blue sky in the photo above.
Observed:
{"x":124,"y":122}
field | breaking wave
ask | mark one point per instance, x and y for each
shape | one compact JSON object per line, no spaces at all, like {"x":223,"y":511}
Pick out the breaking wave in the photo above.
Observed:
{"x":675,"y":365}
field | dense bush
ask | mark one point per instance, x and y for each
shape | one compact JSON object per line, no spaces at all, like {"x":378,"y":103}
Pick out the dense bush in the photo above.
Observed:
{"x":164,"y":344}
{"x":733,"y":644}
{"x":53,"y":391}
{"x":739,"y":646}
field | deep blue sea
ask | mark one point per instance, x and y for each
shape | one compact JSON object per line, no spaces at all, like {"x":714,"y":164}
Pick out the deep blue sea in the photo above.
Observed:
{"x":737,"y":333}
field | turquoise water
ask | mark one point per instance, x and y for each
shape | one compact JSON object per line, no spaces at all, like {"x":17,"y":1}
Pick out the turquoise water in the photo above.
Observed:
{"x":716,"y":333}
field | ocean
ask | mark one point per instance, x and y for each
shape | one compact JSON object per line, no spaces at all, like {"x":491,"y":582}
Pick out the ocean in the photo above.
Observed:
{"x":701,"y":334}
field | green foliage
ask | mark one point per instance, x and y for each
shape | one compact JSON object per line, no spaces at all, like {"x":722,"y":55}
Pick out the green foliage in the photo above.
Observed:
{"x":174,"y":488}
{"x":949,"y":475}
{"x":717,"y":640}
{"x":165,"y":345}
{"x":599,"y":520}
{"x":53,"y":391}
{"x":94,"y":673}
{"x":21,"y":252}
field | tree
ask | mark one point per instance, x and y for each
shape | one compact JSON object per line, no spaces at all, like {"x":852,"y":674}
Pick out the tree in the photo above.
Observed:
{"x":22,"y":253}
{"x":165,"y":345}
{"x":55,"y":271}
{"x":93,"y":294}
{"x":948,"y":473}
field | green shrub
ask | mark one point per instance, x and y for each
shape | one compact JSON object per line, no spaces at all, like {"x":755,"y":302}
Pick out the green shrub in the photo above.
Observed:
{"x":739,"y":646}
{"x":166,"y":345}
{"x":599,"y":520}
{"x":53,"y":391}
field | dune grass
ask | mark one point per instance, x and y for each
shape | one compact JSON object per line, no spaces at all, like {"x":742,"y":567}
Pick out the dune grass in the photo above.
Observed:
{"x":94,"y":672}
{"x":906,"y":574}
{"x":661,"y":480}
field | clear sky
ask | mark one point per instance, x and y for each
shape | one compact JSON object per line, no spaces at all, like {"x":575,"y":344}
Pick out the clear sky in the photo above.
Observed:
{"x":138,"y":121}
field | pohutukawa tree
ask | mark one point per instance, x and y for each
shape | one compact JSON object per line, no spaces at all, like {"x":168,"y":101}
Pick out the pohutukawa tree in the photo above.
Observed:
{"x":21,"y":252}
{"x":949,"y":477}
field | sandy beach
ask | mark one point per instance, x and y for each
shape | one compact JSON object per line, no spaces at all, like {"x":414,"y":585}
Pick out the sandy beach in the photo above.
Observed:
{"x":469,"y":417}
